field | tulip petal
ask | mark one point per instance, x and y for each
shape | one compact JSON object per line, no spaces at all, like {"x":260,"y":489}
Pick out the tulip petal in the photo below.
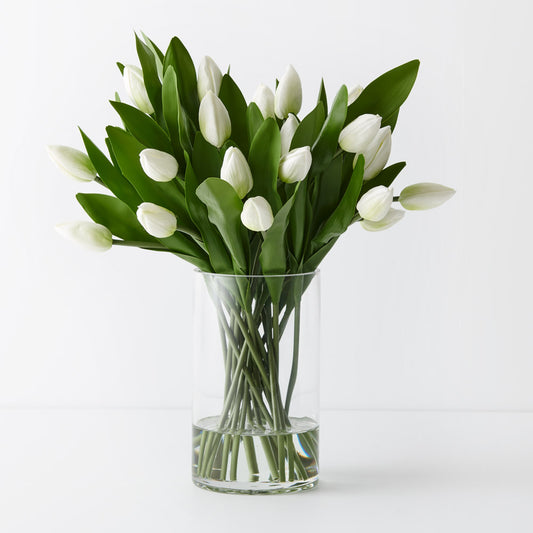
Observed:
{"x":425,"y":196}
{"x":392,"y":217}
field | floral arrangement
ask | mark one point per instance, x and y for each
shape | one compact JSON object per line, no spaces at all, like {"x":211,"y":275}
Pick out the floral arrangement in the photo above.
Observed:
{"x":247,"y":189}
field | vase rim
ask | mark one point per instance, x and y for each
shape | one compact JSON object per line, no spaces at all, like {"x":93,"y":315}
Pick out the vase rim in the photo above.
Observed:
{"x":247,"y":276}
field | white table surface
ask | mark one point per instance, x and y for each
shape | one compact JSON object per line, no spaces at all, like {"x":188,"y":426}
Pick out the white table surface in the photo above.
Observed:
{"x":128,"y":470}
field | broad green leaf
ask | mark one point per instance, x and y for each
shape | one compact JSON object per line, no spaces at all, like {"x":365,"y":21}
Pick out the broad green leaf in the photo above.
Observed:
{"x":312,"y":263}
{"x":254,"y":119}
{"x":232,"y":98}
{"x":111,"y":176}
{"x":179,"y":59}
{"x":385,"y":177}
{"x":322,"y":96}
{"x":329,"y":189}
{"x":171,"y":106}
{"x":264,"y":156}
{"x":218,"y":253}
{"x":114,"y":215}
{"x":326,"y":145}
{"x":185,"y":247}
{"x":206,"y":159}
{"x":307,"y":131}
{"x":127,"y":149}
{"x":273,"y":255}
{"x":146,"y":130}
{"x":341,"y":218}
{"x":150,"y":76}
{"x":386,"y":94}
{"x":224,"y":209}
{"x":158,"y":55}
{"x":298,"y":220}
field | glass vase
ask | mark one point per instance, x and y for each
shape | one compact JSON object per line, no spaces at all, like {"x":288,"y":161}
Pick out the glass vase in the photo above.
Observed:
{"x":256,"y":383}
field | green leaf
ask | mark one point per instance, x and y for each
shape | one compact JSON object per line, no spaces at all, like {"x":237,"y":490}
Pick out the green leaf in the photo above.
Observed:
{"x":111,"y":176}
{"x":273,"y":255}
{"x":254,"y":119}
{"x":385,"y":177}
{"x":386,"y":94}
{"x":158,"y":55}
{"x":329,"y":188}
{"x":218,"y":253}
{"x":179,"y":59}
{"x":326,"y":145}
{"x":171,"y":105}
{"x":146,"y":130}
{"x":307,"y":131}
{"x":114,"y":215}
{"x":206,"y":159}
{"x":311,"y":264}
{"x":224,"y":209}
{"x":341,"y":218}
{"x":183,"y":246}
{"x":232,"y":98}
{"x":322,"y":96}
{"x":264,"y":156}
{"x":121,"y":68}
{"x":298,"y":220}
{"x":150,"y":76}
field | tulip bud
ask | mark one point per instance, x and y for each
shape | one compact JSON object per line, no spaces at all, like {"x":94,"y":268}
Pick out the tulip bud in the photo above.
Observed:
{"x":359,"y":133}
{"x":393,"y":216}
{"x":156,"y":220}
{"x":257,"y":214}
{"x":295,"y":165}
{"x":288,"y":98}
{"x":134,"y":82}
{"x":264,"y":98}
{"x":354,"y":93}
{"x":287,"y":133}
{"x":209,"y":77}
{"x":215,"y":123}
{"x":425,"y":196}
{"x":236,"y":171}
{"x":158,"y":165}
{"x":377,"y":153}
{"x":91,"y":236}
{"x":375,"y":203}
{"x":72,"y":162}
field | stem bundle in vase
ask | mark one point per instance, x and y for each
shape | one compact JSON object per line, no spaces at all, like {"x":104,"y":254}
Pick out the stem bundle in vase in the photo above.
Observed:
{"x":254,"y":196}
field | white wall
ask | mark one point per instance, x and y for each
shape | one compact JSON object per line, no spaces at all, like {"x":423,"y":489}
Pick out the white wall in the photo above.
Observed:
{"x":433,"y":314}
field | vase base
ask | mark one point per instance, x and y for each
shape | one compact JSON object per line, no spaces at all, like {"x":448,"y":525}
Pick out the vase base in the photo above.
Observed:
{"x":254,"y":487}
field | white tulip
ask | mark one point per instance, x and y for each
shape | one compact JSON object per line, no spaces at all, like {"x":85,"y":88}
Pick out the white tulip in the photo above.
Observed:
{"x":359,"y":133}
{"x":209,"y":77}
{"x":375,"y":203}
{"x":136,"y":89}
{"x":236,"y":171}
{"x":425,"y":196}
{"x":354,"y":93}
{"x":391,"y":218}
{"x":156,"y":220}
{"x":377,"y":153}
{"x":295,"y":165}
{"x":264,"y":98}
{"x":72,"y":162}
{"x":257,"y":214}
{"x":158,"y":165}
{"x":287,"y":133}
{"x":215,"y":123}
{"x":91,"y":236}
{"x":288,"y":98}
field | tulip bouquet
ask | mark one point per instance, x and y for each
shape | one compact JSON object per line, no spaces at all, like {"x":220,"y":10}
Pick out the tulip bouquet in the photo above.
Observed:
{"x":243,"y":189}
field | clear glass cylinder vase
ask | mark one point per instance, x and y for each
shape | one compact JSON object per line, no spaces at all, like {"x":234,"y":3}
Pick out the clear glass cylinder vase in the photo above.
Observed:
{"x":256,"y":382}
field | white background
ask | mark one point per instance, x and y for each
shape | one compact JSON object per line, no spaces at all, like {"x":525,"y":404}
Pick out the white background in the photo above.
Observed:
{"x":433,"y":314}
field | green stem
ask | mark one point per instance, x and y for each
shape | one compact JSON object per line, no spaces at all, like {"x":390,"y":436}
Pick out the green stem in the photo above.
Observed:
{"x":295,"y":357}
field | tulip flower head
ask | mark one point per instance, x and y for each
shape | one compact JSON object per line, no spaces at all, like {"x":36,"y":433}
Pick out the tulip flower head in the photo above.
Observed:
{"x":156,"y":220}
{"x":158,"y":165}
{"x":295,"y":165}
{"x":72,"y":162}
{"x":375,"y":203}
{"x":236,"y":171}
{"x":287,"y":133}
{"x":257,"y":214}
{"x":425,"y":196}
{"x":136,"y":89}
{"x":215,"y":123}
{"x":354,"y":93}
{"x":288,"y":97}
{"x":391,"y":218}
{"x":356,"y":136}
{"x":209,"y":77}
{"x":89,"y":235}
{"x":377,"y":153}
{"x":264,"y":99}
